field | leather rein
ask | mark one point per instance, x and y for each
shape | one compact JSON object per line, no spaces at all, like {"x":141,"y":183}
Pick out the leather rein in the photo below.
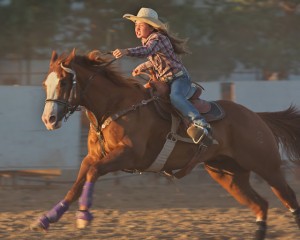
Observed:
{"x":71,"y":108}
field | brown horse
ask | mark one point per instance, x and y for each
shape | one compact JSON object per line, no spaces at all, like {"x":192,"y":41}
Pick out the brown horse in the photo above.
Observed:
{"x":127,"y":133}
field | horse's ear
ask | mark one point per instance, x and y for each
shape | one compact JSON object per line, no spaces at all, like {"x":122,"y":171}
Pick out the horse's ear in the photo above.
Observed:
{"x":73,"y":52}
{"x":70,"y":57}
{"x":53,"y":57}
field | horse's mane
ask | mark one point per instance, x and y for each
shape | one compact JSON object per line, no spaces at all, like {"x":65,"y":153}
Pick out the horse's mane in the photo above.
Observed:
{"x":96,"y":61}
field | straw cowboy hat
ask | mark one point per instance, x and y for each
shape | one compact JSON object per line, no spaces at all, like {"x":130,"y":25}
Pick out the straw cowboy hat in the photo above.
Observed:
{"x":148,"y":16}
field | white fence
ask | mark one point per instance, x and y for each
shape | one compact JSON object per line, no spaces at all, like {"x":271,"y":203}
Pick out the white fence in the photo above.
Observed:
{"x":259,"y":96}
{"x":26,"y":144}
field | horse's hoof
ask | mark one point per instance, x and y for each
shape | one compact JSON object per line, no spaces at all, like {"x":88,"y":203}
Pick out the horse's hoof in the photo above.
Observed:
{"x":41,"y":224}
{"x":260,"y":235}
{"x":84,"y":219}
{"x":297,"y":220}
{"x":297,"y":217}
{"x":260,"y":232}
{"x":82,"y":224}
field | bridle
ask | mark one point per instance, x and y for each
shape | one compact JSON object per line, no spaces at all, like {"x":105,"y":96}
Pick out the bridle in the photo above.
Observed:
{"x":68,"y":106}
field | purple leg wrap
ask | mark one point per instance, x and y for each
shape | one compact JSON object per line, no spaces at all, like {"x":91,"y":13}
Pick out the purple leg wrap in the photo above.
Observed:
{"x":85,"y":215}
{"x":86,"y":195}
{"x":44,"y":222}
{"x":57,"y":211}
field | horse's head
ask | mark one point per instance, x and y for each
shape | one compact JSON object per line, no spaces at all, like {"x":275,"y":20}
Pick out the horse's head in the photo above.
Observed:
{"x":60,"y":88}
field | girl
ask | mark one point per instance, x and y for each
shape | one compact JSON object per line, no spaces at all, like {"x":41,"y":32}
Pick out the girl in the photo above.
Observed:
{"x":160,"y":47}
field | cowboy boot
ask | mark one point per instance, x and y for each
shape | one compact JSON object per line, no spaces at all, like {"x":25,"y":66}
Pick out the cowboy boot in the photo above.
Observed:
{"x":198,"y":130}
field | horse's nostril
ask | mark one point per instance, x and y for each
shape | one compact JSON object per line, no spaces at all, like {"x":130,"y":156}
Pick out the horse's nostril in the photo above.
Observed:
{"x":52,"y":119}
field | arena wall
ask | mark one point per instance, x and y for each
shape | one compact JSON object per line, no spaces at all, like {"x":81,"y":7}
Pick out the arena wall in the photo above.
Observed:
{"x":26,"y":144}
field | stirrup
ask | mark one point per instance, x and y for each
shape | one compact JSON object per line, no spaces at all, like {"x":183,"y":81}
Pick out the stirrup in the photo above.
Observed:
{"x":197,"y":133}
{"x":203,"y":124}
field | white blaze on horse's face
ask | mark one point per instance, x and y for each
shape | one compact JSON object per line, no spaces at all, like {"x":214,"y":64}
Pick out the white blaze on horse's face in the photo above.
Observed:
{"x":50,"y":114}
{"x":52,"y":83}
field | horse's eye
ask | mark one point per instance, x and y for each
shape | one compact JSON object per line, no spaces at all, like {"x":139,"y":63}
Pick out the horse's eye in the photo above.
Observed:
{"x":63,"y":83}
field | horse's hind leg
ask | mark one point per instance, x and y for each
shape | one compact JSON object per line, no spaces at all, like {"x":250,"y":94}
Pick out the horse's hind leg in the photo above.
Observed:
{"x":236,"y":181}
{"x":283,"y":191}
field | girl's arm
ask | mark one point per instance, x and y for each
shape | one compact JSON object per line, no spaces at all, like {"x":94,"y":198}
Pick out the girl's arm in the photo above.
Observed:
{"x":142,"y":68}
{"x":150,"y":48}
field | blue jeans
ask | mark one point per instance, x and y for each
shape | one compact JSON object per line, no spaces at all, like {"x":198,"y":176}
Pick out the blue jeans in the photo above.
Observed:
{"x":179,"y":90}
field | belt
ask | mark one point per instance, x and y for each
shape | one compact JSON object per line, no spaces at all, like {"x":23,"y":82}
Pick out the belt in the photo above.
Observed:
{"x":171,"y":78}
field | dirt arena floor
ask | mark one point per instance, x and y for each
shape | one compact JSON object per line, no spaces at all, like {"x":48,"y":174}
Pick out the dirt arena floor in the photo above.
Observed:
{"x":146,"y":206}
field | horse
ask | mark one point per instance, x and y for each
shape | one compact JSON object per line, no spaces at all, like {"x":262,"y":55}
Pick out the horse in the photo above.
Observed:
{"x":127,"y":133}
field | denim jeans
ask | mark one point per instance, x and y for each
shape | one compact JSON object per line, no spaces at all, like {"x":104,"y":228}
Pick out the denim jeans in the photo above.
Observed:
{"x":179,"y":90}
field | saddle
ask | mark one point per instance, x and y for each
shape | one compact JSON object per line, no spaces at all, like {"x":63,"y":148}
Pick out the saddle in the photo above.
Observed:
{"x":210,"y":110}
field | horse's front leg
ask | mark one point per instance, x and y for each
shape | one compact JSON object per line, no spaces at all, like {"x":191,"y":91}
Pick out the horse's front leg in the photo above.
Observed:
{"x":120,"y":158}
{"x":59,"y":209}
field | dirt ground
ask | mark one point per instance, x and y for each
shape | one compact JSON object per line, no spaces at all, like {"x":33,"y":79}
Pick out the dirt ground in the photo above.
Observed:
{"x":144,"y":206}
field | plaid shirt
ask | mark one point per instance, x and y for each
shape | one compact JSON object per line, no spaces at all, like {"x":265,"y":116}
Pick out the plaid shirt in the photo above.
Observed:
{"x":160,"y":53}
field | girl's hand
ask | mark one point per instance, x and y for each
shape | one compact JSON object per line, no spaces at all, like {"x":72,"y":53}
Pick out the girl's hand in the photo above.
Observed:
{"x":118,"y":53}
{"x":136,"y":72}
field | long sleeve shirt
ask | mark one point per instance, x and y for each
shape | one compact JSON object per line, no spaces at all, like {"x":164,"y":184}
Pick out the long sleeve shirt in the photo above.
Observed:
{"x":160,"y":53}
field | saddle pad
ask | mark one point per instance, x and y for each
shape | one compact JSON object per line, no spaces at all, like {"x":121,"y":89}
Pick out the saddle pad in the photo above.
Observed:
{"x":210,"y":110}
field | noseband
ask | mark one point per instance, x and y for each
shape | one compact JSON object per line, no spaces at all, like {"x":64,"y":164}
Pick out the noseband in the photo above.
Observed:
{"x":69,"y":109}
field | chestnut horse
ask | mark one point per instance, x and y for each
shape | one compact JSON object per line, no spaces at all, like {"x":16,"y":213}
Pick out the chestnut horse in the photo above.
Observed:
{"x":127,"y":133}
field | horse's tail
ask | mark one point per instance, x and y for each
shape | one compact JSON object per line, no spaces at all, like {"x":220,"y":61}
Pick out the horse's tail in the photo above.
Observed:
{"x":285,"y":126}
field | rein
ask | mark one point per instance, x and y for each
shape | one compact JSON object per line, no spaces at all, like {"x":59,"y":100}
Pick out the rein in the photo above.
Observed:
{"x":69,"y":108}
{"x":72,"y":109}
{"x":121,"y":113}
{"x":111,"y":61}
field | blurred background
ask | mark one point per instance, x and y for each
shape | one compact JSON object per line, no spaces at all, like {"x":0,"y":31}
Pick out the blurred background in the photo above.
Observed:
{"x":246,"y":51}
{"x":229,"y":40}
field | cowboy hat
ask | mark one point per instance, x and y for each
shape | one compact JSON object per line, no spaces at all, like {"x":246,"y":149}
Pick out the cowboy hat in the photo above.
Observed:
{"x":148,"y":16}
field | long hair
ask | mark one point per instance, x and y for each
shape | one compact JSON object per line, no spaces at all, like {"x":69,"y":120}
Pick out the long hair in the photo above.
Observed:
{"x":179,"y":44}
